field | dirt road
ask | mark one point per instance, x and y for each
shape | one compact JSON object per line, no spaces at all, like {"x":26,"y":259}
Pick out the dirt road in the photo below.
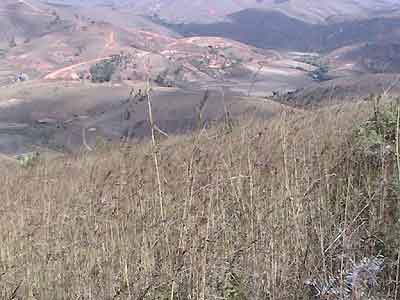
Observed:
{"x":6,"y":12}
{"x":111,"y":39}
{"x":58,"y":73}
{"x":34,"y":8}
{"x":109,"y":43}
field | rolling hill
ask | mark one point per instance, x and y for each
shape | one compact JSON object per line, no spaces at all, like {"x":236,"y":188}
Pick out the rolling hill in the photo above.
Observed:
{"x":25,"y":21}
{"x":373,"y":57}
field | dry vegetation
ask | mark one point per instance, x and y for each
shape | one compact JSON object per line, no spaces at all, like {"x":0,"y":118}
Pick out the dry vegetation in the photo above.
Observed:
{"x":243,"y":212}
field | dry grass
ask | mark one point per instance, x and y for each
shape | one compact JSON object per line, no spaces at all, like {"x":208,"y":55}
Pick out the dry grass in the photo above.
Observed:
{"x":250,"y":213}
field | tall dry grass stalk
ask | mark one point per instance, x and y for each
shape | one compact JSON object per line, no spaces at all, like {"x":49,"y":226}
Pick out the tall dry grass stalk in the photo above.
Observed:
{"x":396,"y":292}
{"x":244,"y":213}
{"x":154,"y":143}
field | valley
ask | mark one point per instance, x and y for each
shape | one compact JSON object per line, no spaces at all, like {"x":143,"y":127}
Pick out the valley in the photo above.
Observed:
{"x":251,"y":59}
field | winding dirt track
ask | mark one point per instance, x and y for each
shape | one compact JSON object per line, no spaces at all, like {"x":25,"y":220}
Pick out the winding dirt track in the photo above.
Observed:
{"x":5,"y":12}
{"x":111,"y":40}
{"x":34,"y":8}
{"x":57,"y":73}
{"x":109,"y":43}
{"x":35,"y":11}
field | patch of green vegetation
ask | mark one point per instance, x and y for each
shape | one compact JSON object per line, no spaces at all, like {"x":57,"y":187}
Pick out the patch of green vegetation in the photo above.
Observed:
{"x":376,"y":137}
{"x":322,"y":67}
{"x":12,"y":43}
{"x":320,"y":74}
{"x":162,"y":79}
{"x":28,"y":160}
{"x":234,"y":288}
{"x":3,"y":53}
{"x":103,"y":71}
{"x":377,"y":155}
{"x":313,"y":60}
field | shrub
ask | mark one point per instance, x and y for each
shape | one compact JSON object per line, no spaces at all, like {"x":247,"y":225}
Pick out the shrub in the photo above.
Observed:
{"x":376,"y":136}
{"x":12,"y":43}
{"x":28,"y":160}
{"x":357,"y":283}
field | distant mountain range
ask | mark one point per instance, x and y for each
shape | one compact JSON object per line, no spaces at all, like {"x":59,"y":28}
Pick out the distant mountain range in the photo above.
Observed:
{"x":205,"y":11}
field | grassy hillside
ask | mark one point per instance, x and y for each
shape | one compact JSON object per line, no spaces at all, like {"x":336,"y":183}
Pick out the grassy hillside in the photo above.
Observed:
{"x":247,"y":211}
{"x":341,"y":90}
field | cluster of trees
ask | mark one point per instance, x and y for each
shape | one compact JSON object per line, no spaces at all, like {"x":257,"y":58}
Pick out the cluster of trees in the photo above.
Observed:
{"x":102,"y":71}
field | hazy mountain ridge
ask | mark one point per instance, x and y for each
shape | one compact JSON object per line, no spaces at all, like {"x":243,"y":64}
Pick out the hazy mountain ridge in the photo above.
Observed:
{"x":268,"y":29}
{"x":206,"y":10}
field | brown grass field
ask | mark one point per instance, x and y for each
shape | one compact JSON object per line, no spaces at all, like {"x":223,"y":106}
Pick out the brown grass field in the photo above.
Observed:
{"x":242,"y":211}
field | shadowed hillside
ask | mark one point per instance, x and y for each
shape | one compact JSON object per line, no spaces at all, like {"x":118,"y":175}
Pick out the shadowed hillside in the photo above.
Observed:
{"x":266,"y":29}
{"x":374,"y":57}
